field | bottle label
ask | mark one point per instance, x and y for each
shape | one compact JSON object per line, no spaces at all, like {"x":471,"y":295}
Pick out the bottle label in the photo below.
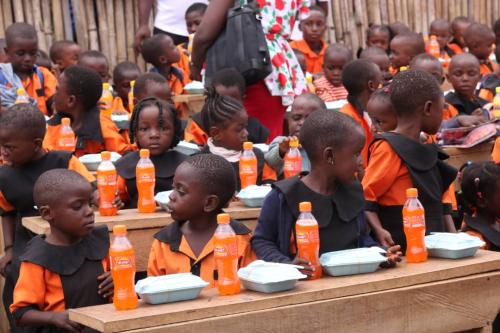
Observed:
{"x":294,"y":166}
{"x":414,"y":221}
{"x":247,"y":169}
{"x":122,"y":262}
{"x":146,"y":178}
{"x":106,"y":180}
{"x":66,"y":142}
{"x":307,"y":236}
{"x":226,"y":250}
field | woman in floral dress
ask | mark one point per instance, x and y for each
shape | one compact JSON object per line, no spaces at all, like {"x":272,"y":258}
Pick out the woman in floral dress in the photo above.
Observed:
{"x":268,"y":99}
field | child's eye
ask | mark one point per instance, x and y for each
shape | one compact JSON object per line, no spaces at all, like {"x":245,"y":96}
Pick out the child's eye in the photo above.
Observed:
{"x":143,"y":129}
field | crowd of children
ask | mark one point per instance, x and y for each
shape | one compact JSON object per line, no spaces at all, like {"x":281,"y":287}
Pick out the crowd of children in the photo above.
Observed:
{"x":356,"y":163}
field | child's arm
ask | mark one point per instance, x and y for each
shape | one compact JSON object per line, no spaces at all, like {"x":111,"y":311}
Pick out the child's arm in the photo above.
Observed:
{"x":47,"y":318}
{"x":383,"y":236}
{"x":8,"y":226}
{"x":113,"y":140}
{"x":274,"y":156}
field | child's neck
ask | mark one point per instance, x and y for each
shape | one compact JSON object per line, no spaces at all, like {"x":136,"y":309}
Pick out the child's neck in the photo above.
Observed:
{"x":76,"y":117}
{"x":202,"y":224}
{"x":22,"y":75}
{"x":165,"y":70}
{"x":315,"y":46}
{"x":320,"y":182}
{"x":409,"y":128}
{"x":59,"y":238}
{"x":468,"y":97}
{"x":486,"y":216}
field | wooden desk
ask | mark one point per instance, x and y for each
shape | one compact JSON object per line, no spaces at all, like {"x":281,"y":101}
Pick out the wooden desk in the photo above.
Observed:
{"x":436,"y":296}
{"x":142,"y":227}
{"x":459,"y":156}
{"x":192,"y":103}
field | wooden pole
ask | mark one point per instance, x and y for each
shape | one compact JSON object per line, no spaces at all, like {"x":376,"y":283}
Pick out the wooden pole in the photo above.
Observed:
{"x":121,"y":38}
{"x":431,"y":11}
{"x":38,"y":24}
{"x":91,"y":25}
{"x":384,"y":17}
{"x":47,"y":21}
{"x":103,"y":26}
{"x":129,"y":23}
{"x":374,"y":11}
{"x":482,"y":12}
{"x":68,"y":28}
{"x":337,"y":20}
{"x":425,"y":19}
{"x":139,"y":60}
{"x":391,"y":10}
{"x":110,"y":10}
{"x":58,"y":20}
{"x":18,"y":11}
{"x":405,"y":7}
{"x":28,"y":11}
{"x":2,"y":24}
{"x":7,"y":13}
{"x":399,"y":10}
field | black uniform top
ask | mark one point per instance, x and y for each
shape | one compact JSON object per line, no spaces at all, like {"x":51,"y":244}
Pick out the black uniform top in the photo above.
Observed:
{"x":490,"y":234}
{"x":463,"y":105}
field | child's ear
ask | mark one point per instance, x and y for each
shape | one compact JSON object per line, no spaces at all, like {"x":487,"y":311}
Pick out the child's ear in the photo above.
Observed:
{"x":162,"y":59}
{"x":214,"y":132}
{"x":329,"y":156}
{"x":371,"y":86}
{"x":45,"y":213}
{"x":211,"y":203}
{"x":38,"y":142}
{"x":72,"y":101}
{"x":427,"y":108}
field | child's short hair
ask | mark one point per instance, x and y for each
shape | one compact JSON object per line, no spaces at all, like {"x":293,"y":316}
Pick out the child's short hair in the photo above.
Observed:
{"x":414,"y":41}
{"x":440,"y":21}
{"x":327,"y":129}
{"x":457,"y":20}
{"x":398,"y":28}
{"x":411,"y":89}
{"x":219,"y":109}
{"x":377,"y":27}
{"x":371,"y":52}
{"x":85,"y":84}
{"x":476,"y":31}
{"x":339,"y":48}
{"x":216,"y":175}
{"x":229,"y":77}
{"x":150,"y":48}
{"x":196,"y":7}
{"x":423,"y":57}
{"x":313,"y":98}
{"x":123,"y":67}
{"x":382,"y":93}
{"x":496,"y":27}
{"x":24,"y":117}
{"x":49,"y":188}
{"x":91,"y":54}
{"x":480,"y":181}
{"x":356,"y":74}
{"x":57,"y":49}
{"x":143,"y":80}
{"x":464,"y":57}
{"x":19,"y":30}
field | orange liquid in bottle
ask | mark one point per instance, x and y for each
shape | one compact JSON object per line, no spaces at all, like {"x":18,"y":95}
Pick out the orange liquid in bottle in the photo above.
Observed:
{"x":66,"y":140}
{"x":145,"y":179}
{"x":414,"y":228}
{"x":248,"y":166}
{"x":293,"y":160}
{"x":307,"y":233}
{"x":106,"y":185}
{"x":226,"y":257}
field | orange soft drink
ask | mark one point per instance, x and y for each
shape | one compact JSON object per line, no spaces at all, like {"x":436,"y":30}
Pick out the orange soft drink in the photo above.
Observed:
{"x":130,"y":96}
{"x":248,"y":166}
{"x":226,"y":257}
{"x":307,"y":233}
{"x":66,"y":140}
{"x":106,"y":185}
{"x":106,"y":99}
{"x":293,"y":160}
{"x":145,"y":179}
{"x":122,"y":260}
{"x":22,"y":96}
{"x":434,"y":47}
{"x":414,"y":227}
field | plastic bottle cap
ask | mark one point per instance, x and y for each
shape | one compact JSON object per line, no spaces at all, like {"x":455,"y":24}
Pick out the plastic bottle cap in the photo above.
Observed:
{"x":305,"y":207}
{"x":223,"y":218}
{"x":433,"y":37}
{"x":497,"y":90}
{"x":132,"y":83}
{"x":119,"y":229}
{"x":105,"y":155}
{"x":403,"y":68}
{"x":144,"y":153}
{"x":105,"y":86}
{"x":66,"y":121}
{"x":248,"y":145}
{"x":412,"y":193}
{"x":20,"y":91}
{"x":294,"y":143}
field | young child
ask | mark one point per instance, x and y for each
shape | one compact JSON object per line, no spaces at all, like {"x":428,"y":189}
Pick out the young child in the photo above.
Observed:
{"x":161,"y":52}
{"x":378,"y":36}
{"x":398,"y":28}
{"x":399,"y":161}
{"x":22,"y":129}
{"x":152,"y":85}
{"x":78,"y":91}
{"x":68,"y":268}
{"x":441,"y":28}
{"x":481,"y":190}
{"x":97,"y":61}
{"x":123,"y":74}
{"x":464,"y":74}
{"x":361,"y":78}
{"x":312,"y":45}
{"x":404,"y":48}
{"x":194,"y":15}
{"x":226,"y":120}
{"x":380,"y":58}
{"x":38,"y":82}
{"x":458,"y":26}
{"x":154,"y":125}
{"x":302,"y":107}
{"x":332,"y":141}
{"x":479,"y":39}
{"x":382,"y":114}
{"x":64,"y":53}
{"x":329,"y":87}
{"x":203,"y":185}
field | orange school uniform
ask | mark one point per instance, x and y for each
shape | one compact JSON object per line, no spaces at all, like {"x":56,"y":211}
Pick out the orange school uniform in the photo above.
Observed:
{"x":184,"y":61}
{"x":171,"y":253}
{"x":455,"y":47}
{"x":477,"y":226}
{"x":314,"y":61}
{"x":351,"y":111}
{"x":487,"y":67}
{"x":495,"y":155}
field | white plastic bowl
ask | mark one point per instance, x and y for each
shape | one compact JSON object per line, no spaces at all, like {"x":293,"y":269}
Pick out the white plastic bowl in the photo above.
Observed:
{"x":253,"y":196}
{"x":268,"y":277}
{"x":187,"y":148}
{"x":351,"y":262}
{"x":452,"y":245}
{"x":170,"y":288}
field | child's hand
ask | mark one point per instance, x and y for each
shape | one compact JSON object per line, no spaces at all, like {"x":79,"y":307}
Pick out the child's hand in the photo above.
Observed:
{"x":308,"y":269}
{"x":118,"y":203}
{"x":478,"y":112}
{"x":285,"y":145}
{"x":107,"y":287}
{"x":5,"y":260}
{"x":394,"y":255}
{"x":61,"y":320}
{"x":384,"y":237}
{"x":470,"y":121}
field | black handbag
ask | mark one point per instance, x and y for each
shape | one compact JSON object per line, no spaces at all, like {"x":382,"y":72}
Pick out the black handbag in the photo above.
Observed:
{"x":241,"y":45}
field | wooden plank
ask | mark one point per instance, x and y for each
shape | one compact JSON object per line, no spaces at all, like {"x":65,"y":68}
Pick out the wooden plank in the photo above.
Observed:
{"x":130,"y":30}
{"x":449,"y":306}
{"x":121,"y":38}
{"x":39,"y":26}
{"x":18,"y":11}
{"x":81,"y":24}
{"x":110,"y":10}
{"x":28,"y":11}
{"x":7,"y":13}
{"x":68,"y":28}
{"x":460,"y":156}
{"x":91,"y":25}
{"x":47,"y":22}
{"x":105,"y":318}
{"x":58,"y":19}
{"x":103,"y":26}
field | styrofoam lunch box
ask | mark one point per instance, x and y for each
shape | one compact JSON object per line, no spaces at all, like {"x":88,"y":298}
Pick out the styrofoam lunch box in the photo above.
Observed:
{"x":162,"y":199}
{"x":195,"y":88}
{"x":253,"y":195}
{"x":170,"y":288}
{"x":92,"y":161}
{"x":452,"y":245}
{"x":187,"y":148}
{"x":262,"y":147}
{"x":353,"y":261}
{"x":269,"y":277}
{"x":121,"y":120}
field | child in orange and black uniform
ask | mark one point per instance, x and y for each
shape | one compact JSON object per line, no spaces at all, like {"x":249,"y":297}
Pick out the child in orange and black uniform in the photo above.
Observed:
{"x":97,"y":61}
{"x":203,"y":185}
{"x":329,"y":86}
{"x":63,"y":53}
{"x":489,"y":82}
{"x":404,"y":47}
{"x":441,"y":28}
{"x":154,"y":125}
{"x":152,"y":85}
{"x":78,"y":91}
{"x":479,"y":40}
{"x":312,"y":45}
{"x":458,"y":26}
{"x":226,"y":120}
{"x":333,"y":142}
{"x":361,"y":78}
{"x":382,"y":114}
{"x":22,"y":128}
{"x":38,"y":82}
{"x":227,"y":82}
{"x":123,"y":74}
{"x":399,"y":161}
{"x":68,"y":268}
{"x":381,"y":59}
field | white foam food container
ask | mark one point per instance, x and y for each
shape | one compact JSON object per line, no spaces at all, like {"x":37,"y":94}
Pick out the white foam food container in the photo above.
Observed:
{"x":336,"y":105}
{"x":92,"y":161}
{"x":353,"y":261}
{"x":170,"y":288}
{"x":253,"y":195}
{"x":194,"y":88}
{"x":269,"y":277}
{"x":162,"y":199}
{"x":187,"y":148}
{"x":452,"y":245}
{"x":262,"y":147}
{"x":121,"y":120}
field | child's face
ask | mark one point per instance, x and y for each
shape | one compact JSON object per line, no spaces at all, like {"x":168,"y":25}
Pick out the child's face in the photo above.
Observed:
{"x":193,"y":20}
{"x":481,"y":46}
{"x":122,"y":84}
{"x":378,"y":39}
{"x":442,"y":33}
{"x":333,"y":64}
{"x":313,"y":27}
{"x":464,"y":76}
{"x":346,"y":158}
{"x":63,"y":101}
{"x":69,"y":56}
{"x":233,"y":92}
{"x":458,"y":32}
{"x":433,"y":116}
{"x":234,"y":134}
{"x":401,"y":53}
{"x":432,"y":67}
{"x":22,"y":54}
{"x":155,"y":89}
{"x":150,"y":134}
{"x":100,"y":65}
{"x":17,"y":147}
{"x":170,"y":52}
{"x":382,"y":115}
{"x":383,"y":63}
{"x":301,"y":109}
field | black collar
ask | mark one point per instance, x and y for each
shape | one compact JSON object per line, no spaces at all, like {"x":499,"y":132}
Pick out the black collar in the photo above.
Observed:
{"x":463,"y":105}
{"x":165,"y":164}
{"x":490,"y":81}
{"x":484,"y":228}
{"x":90,"y":129}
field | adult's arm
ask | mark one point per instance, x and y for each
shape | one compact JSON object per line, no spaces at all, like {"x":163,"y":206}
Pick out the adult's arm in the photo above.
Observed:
{"x":143,"y":31}
{"x":210,"y":27}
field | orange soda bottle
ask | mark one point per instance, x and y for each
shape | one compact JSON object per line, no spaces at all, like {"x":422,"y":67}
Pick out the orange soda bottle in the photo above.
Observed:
{"x":248,"y":166}
{"x":434,"y":47}
{"x":414,"y":227}
{"x":226,"y":257}
{"x":145,"y":179}
{"x":106,"y":185}
{"x":307,"y":233}
{"x":122,"y":260}
{"x":293,"y":160}
{"x":66,"y":140}
{"x":22,"y":96}
{"x":131,"y":96}
{"x":106,"y":99}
